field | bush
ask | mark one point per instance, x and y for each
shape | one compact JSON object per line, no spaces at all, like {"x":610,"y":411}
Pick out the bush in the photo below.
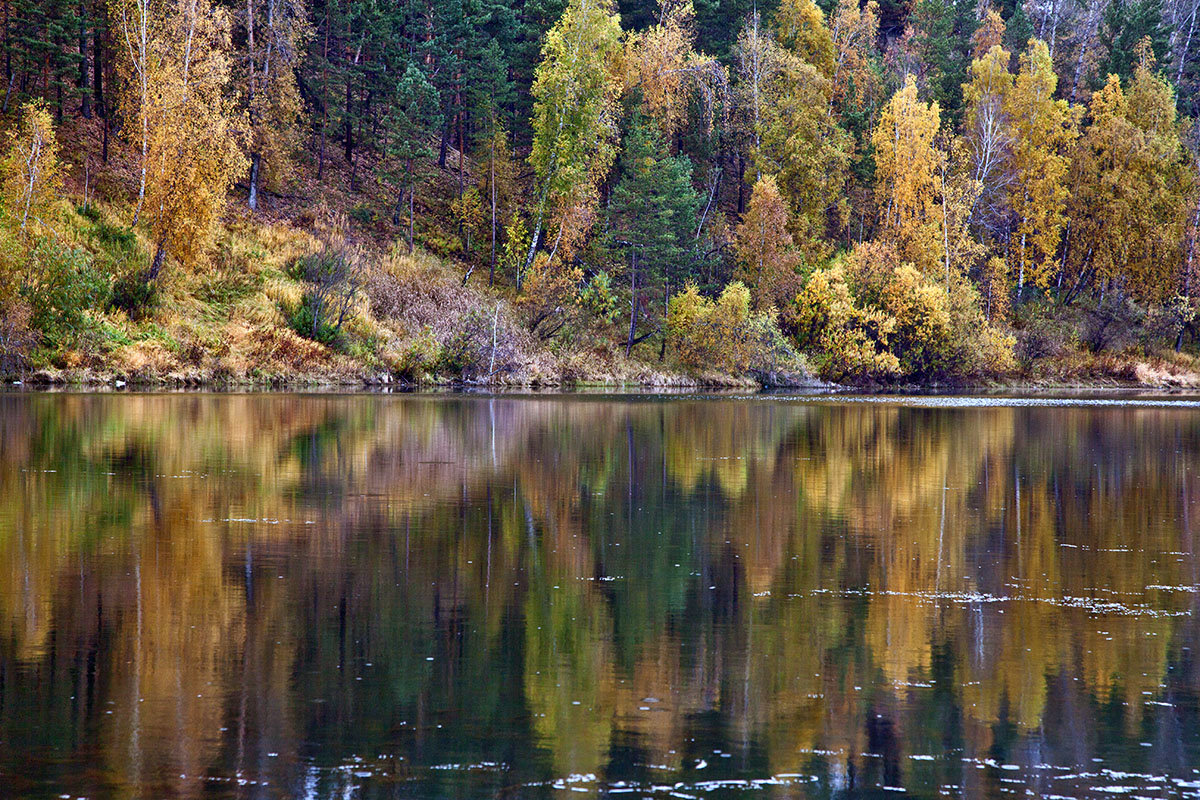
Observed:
{"x":724,"y":334}
{"x":421,"y":354}
{"x":550,"y":298}
{"x":451,"y":326}
{"x":307,"y":319}
{"x":363,"y":214}
{"x":922,"y":338}
{"x":476,"y":351}
{"x":1108,"y":325}
{"x":59,"y":284}
{"x":334,"y":276}
{"x":17,"y":338}
{"x":847,"y":340}
{"x":133,"y":294}
{"x":1040,"y":338}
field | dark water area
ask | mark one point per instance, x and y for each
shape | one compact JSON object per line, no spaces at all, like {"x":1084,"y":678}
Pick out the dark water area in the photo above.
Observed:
{"x":451,"y":596}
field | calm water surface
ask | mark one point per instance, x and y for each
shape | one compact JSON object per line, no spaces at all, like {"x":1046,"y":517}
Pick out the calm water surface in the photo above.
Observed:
{"x":469,"y":597}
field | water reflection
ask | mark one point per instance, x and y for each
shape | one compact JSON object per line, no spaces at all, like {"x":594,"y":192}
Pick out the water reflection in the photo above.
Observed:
{"x":271,"y":596}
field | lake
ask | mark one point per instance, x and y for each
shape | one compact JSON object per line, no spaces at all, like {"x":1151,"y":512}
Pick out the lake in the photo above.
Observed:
{"x":476,"y":596}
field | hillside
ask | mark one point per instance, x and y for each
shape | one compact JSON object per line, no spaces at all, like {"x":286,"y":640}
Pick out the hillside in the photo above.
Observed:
{"x":641,"y":193}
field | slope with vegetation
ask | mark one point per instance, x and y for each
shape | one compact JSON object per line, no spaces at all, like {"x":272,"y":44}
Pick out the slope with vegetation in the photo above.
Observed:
{"x":564,"y":191}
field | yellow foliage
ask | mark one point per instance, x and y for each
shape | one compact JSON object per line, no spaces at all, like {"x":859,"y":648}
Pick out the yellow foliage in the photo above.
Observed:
{"x":854,"y":33}
{"x":848,"y":340}
{"x":177,"y":68}
{"x":660,"y":62}
{"x":800,"y":27}
{"x":907,"y":163}
{"x":1044,"y":129}
{"x":989,"y":34}
{"x":1131,"y":188}
{"x":725,"y":334}
{"x":30,"y":170}
{"x":764,"y":246}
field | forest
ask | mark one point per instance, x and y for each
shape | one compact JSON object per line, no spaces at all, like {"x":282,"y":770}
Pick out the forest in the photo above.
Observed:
{"x":889,"y":192}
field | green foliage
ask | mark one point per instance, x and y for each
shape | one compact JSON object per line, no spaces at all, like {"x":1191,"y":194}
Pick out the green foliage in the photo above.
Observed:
{"x":363,"y":214}
{"x":133,"y":294}
{"x":421,"y":354}
{"x":653,"y":207}
{"x":59,"y":284}
{"x":598,"y":298}
{"x":1126,"y":23}
{"x":333,"y":275}
{"x":309,"y":319}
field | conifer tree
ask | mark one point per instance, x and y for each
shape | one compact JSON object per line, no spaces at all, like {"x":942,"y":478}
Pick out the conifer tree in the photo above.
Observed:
{"x":652,"y":217}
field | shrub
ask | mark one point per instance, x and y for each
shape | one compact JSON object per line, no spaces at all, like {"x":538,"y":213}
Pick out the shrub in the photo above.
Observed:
{"x":363,"y":214}
{"x":1108,"y":325}
{"x":17,"y":338}
{"x":307,"y":318}
{"x":452,"y":326}
{"x":597,"y":298}
{"x":334,"y":278}
{"x":550,"y":298}
{"x":1040,"y":338}
{"x":847,"y":340}
{"x":476,"y":351}
{"x":133,"y":294}
{"x":421,"y":354}
{"x":921,"y":339}
{"x":59,"y":284}
{"x":724,"y":334}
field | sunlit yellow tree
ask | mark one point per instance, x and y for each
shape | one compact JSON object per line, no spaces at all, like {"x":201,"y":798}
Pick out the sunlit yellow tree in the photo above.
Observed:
{"x":764,"y":247}
{"x":662,"y":66}
{"x":274,"y":34}
{"x":186,"y":123}
{"x":574,"y":113}
{"x":1044,"y":129}
{"x":1130,"y":190}
{"x":907,"y":166}
{"x":31,"y":170}
{"x":800,"y":28}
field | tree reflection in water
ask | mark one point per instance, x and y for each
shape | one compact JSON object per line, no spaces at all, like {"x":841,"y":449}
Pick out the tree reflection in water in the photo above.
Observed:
{"x":421,"y":596}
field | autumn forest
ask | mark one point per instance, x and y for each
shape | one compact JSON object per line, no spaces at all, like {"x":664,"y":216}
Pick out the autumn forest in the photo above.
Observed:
{"x":557,"y":191}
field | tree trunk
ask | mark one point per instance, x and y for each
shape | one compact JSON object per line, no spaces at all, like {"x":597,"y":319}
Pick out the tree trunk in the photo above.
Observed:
{"x":255,"y":160}
{"x":348,"y":131}
{"x":160,"y":256}
{"x":98,"y":68}
{"x":633,"y":302}
{"x":324,"y":98}
{"x":411,"y":225}
{"x":85,"y":98}
{"x":442,"y":148}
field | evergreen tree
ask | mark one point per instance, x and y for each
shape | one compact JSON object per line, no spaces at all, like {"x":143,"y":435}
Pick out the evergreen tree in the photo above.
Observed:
{"x":652,"y":217}
{"x":1126,"y":23}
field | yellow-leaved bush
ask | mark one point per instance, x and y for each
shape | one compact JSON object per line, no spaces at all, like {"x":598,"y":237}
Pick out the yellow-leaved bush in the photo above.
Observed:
{"x":845,"y":339}
{"x":724,"y":334}
{"x":876,"y":317}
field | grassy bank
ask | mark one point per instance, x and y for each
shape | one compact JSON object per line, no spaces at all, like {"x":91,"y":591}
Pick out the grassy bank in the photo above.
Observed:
{"x":320,"y":288}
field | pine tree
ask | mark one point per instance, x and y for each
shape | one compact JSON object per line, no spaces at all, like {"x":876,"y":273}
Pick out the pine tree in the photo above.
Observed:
{"x":412,"y":118}
{"x":652,"y":216}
